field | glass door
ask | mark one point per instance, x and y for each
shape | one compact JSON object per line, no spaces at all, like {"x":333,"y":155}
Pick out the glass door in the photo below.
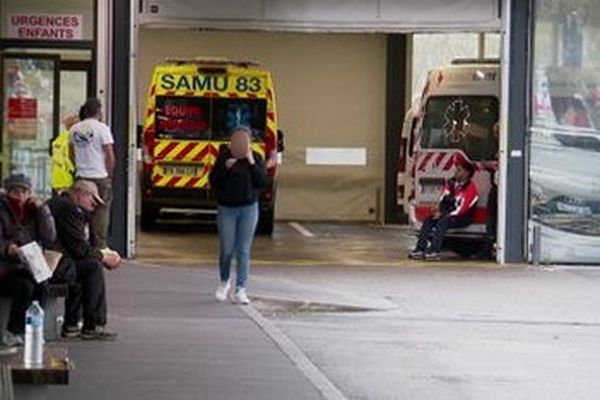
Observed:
{"x":76,"y":85}
{"x":30,"y":116}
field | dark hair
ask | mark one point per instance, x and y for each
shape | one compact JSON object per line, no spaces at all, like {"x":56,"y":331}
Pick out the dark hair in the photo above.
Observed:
{"x":90,"y":109}
{"x":469,"y":167}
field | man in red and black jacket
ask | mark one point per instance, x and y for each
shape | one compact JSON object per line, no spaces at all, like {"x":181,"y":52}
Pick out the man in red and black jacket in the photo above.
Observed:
{"x":455,"y":210}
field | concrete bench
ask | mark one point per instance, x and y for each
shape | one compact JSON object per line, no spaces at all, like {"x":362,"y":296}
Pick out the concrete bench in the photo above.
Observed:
{"x":32,"y":383}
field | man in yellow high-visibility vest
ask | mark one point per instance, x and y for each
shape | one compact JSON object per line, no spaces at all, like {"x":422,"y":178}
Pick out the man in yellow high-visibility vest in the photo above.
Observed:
{"x":63,"y":169}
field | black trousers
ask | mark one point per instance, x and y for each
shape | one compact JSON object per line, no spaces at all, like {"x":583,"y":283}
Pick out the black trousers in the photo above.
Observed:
{"x":435,"y":230}
{"x":21,"y":288}
{"x":87,"y":293}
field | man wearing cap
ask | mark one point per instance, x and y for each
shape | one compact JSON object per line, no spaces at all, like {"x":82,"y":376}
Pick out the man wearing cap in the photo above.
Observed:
{"x":83,"y":264}
{"x":23,"y":219}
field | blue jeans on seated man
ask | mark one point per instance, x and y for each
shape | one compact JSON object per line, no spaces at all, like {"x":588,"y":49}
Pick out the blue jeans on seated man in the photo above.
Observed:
{"x":237,"y":226}
{"x":435,"y":229}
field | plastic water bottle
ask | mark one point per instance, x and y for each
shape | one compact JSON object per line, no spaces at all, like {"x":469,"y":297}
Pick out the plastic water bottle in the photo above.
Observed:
{"x":34,"y":336}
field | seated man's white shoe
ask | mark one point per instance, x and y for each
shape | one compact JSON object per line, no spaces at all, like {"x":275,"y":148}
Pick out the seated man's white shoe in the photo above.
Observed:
{"x":223,"y":291}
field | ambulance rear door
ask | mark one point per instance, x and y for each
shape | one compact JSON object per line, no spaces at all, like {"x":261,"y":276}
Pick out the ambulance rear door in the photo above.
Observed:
{"x":451,"y":126}
{"x":182,"y":152}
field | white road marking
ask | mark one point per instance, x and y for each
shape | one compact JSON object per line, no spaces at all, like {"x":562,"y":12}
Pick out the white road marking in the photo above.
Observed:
{"x":301,"y":229}
{"x":293,"y":352}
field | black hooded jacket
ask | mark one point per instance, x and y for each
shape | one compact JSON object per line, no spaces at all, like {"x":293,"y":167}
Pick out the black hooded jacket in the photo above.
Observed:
{"x":241,"y":184}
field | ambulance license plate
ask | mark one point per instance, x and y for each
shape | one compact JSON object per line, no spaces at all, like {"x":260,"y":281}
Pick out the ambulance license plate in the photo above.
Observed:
{"x":181,"y":170}
{"x":432,"y":189}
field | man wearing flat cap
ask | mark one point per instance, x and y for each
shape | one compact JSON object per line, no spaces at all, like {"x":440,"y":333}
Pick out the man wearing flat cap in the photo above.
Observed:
{"x":83,"y":264}
{"x":23,"y":219}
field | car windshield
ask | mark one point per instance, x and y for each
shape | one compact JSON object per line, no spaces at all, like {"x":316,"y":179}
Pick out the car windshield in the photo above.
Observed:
{"x":462,"y":122}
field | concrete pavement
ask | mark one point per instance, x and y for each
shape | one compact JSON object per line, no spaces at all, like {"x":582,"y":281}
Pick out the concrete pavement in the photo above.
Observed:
{"x":433,"y":332}
{"x":176,"y":342}
{"x":449,"y":333}
{"x":373,"y":329}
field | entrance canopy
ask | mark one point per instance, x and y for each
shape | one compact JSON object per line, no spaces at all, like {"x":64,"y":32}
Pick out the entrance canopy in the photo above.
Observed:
{"x":324,"y":15}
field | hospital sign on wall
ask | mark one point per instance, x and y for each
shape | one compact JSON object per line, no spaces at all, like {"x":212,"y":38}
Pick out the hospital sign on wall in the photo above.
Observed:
{"x":30,"y":26}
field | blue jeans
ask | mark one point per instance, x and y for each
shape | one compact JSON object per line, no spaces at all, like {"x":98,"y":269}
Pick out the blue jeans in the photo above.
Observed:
{"x":236,"y":232}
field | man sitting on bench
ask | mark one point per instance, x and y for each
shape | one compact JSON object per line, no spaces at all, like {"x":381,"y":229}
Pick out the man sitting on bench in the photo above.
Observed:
{"x":456,"y":209}
{"x":23,"y":219}
{"x":82,"y":265}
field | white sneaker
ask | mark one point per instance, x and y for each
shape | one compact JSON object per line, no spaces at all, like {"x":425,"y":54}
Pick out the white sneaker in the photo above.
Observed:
{"x":223,"y":291}
{"x":241,"y":297}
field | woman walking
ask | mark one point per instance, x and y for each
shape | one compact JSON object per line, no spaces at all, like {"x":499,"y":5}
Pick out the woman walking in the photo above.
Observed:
{"x":238,"y":176}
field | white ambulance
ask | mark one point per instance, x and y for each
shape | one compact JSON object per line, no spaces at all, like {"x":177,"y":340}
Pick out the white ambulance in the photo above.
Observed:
{"x":457,"y":116}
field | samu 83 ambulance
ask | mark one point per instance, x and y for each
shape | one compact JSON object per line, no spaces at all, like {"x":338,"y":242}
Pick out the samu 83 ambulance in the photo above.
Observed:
{"x":193,"y":104}
{"x":456,"y":118}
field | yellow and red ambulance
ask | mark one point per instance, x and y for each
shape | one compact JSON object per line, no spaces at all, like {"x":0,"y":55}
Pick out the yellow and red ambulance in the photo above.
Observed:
{"x":193,"y":104}
{"x":456,"y":117}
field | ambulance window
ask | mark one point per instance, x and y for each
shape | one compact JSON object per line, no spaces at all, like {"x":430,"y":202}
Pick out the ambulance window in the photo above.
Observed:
{"x":230,"y":113}
{"x":182,"y":117}
{"x":465,"y":122}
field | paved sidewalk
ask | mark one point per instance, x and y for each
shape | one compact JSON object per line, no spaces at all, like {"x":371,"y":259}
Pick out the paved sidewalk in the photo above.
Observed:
{"x":176,"y":342}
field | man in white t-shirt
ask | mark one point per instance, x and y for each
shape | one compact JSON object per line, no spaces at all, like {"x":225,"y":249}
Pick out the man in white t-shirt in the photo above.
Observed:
{"x":92,"y":149}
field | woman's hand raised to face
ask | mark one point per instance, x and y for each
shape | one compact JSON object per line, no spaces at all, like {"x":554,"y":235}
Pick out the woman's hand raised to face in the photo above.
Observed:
{"x":250,"y":156}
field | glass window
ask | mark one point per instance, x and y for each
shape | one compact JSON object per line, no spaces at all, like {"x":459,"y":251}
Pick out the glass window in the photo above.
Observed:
{"x":73,"y":93}
{"x":493,"y":44}
{"x":28,"y":127}
{"x":465,"y":123}
{"x":198,"y":118}
{"x":228,"y":114}
{"x":565,"y":130}
{"x":182,"y":118}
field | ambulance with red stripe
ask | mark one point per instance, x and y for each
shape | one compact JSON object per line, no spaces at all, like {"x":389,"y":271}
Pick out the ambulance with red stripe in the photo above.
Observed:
{"x":193,"y":104}
{"x":456,"y":118}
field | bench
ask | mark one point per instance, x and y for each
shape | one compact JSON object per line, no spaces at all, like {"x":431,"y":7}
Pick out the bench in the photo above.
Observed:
{"x":32,"y":383}
{"x":54,"y":312}
{"x":5,"y":304}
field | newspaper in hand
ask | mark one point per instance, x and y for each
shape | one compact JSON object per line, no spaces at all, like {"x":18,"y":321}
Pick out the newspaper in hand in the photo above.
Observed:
{"x":33,"y":256}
